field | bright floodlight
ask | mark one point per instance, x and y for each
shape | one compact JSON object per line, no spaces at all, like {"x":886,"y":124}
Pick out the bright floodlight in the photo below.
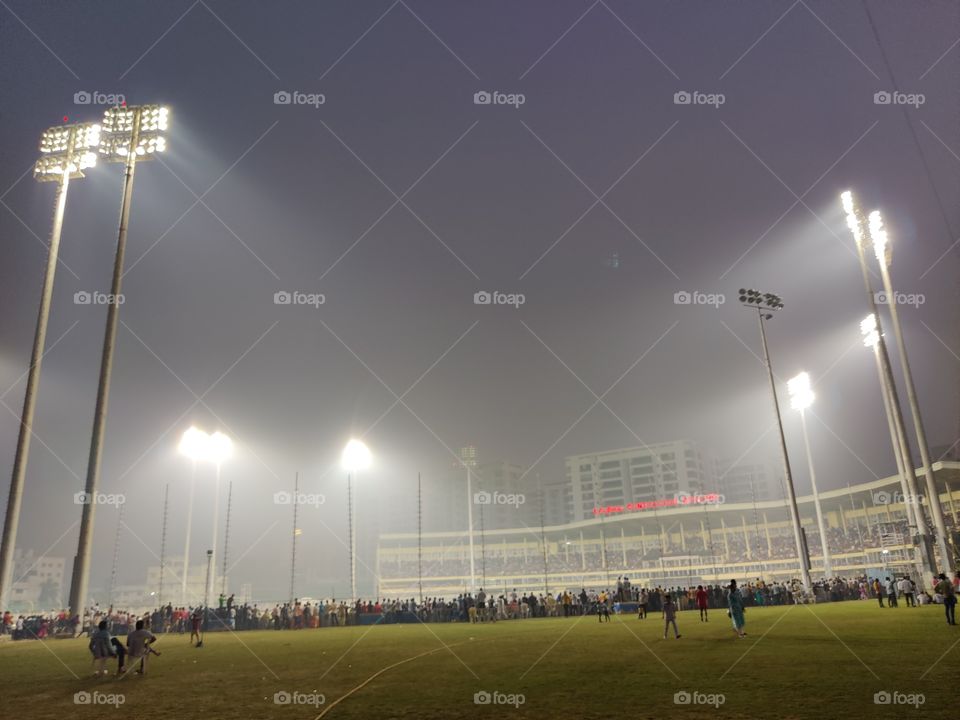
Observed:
{"x":66,"y":149}
{"x":801,"y":393}
{"x":356,"y":456}
{"x":879,"y":237}
{"x":868,"y":328}
{"x":219,"y":447}
{"x":853,"y":222}
{"x":118,"y":129}
{"x":193,"y":443}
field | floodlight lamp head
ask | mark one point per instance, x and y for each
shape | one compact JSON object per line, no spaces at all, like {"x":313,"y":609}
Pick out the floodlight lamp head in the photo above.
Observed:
{"x":870,"y":331}
{"x":801,"y":391}
{"x":65,"y":150}
{"x":878,"y":234}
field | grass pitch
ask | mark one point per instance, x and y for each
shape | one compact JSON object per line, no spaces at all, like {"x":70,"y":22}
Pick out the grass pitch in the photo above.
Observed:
{"x":824,"y":661}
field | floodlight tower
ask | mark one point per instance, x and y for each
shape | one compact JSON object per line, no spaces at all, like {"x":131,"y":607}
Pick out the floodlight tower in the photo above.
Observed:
{"x":193,"y":444}
{"x":129,"y":134}
{"x":871,"y":339}
{"x":65,"y":154}
{"x":855,"y":222}
{"x":356,"y":457}
{"x":766,"y":304}
{"x":883,"y":252}
{"x":801,"y":397}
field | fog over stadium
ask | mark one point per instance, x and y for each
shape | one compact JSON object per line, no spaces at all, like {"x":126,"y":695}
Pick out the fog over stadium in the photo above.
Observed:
{"x":498,"y":243}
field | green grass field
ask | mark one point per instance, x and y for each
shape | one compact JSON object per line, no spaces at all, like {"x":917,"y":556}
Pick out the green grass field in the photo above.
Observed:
{"x":825,"y":661}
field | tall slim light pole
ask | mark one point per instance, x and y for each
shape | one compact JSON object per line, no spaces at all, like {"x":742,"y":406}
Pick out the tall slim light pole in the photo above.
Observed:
{"x":856,"y":225}
{"x":193,"y":444}
{"x":220,"y":448}
{"x":65,"y":154}
{"x":766,"y":304}
{"x":883,"y":252}
{"x":801,"y":397}
{"x":473,"y":567}
{"x":129,"y":133}
{"x":355,"y":457}
{"x":871,"y":339}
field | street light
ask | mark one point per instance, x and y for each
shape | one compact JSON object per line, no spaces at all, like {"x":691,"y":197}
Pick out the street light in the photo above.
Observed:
{"x":65,"y":154}
{"x":129,"y":134}
{"x":801,"y":397}
{"x":883,"y":252}
{"x":855,"y":223}
{"x":766,"y":304}
{"x":356,"y":456}
{"x":193,"y":445}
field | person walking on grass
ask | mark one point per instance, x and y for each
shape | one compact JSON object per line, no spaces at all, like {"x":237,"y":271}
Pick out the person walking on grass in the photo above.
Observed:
{"x":735,"y":608}
{"x":891,"y":593}
{"x":946,"y":589}
{"x":669,"y":617}
{"x":701,"y":597}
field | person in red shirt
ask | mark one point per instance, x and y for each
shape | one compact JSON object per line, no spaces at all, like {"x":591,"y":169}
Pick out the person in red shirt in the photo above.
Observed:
{"x":702,"y":603}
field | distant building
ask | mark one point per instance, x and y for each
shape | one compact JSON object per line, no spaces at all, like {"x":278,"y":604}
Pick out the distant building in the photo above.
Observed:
{"x":557,"y":502}
{"x":639,"y":474}
{"x":745,"y":482}
{"x":504,"y":498}
{"x":37,"y":581}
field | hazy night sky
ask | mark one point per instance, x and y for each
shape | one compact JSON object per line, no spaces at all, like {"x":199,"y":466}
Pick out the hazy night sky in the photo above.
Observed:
{"x":319,"y":200}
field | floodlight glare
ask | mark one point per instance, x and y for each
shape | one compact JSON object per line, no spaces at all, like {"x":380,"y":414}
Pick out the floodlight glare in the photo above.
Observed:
{"x":853,"y":220}
{"x":801,"y":393}
{"x":219,"y":448}
{"x":868,"y":328}
{"x":356,"y":456}
{"x":881,"y":246}
{"x":121,"y":124}
{"x":193,"y":443}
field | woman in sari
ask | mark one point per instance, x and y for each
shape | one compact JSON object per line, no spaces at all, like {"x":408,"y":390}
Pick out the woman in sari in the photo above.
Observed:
{"x":735,"y":605}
